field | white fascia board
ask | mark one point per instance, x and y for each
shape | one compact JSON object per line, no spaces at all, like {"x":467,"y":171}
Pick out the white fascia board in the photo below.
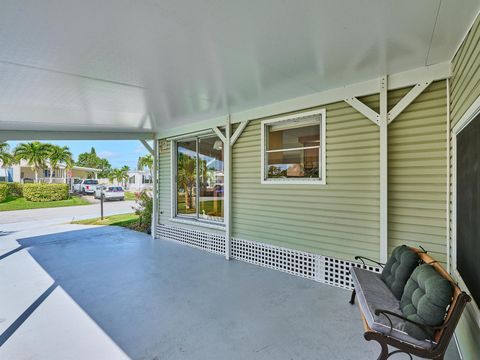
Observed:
{"x":23,"y":135}
{"x":193,"y":127}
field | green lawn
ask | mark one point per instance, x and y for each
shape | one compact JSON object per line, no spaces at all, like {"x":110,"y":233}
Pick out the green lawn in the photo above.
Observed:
{"x":207,"y":206}
{"x":16,"y":203}
{"x":129,"y":195}
{"x":119,"y":220}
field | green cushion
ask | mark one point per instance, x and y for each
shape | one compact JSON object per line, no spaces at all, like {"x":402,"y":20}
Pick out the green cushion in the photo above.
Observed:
{"x":425,"y":299}
{"x":398,"y":269}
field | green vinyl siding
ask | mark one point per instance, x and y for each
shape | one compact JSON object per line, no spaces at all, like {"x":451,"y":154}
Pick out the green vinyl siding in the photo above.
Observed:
{"x":464,"y":90}
{"x":417,"y":168}
{"x":339,"y":219}
{"x":164,"y":183}
{"x":465,"y":80}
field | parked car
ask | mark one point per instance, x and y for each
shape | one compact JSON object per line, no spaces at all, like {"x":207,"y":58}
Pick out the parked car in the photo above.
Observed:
{"x":86,"y":186}
{"x":110,"y":192}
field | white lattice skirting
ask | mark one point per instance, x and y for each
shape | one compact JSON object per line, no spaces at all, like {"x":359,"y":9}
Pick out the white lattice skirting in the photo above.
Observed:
{"x":324,"y":269}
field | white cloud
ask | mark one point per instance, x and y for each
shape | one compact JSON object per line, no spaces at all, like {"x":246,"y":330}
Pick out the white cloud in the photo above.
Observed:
{"x":140,"y":149}
{"x":106,"y":154}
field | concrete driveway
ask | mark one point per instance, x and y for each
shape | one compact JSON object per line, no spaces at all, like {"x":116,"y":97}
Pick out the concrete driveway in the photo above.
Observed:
{"x":64,"y":214}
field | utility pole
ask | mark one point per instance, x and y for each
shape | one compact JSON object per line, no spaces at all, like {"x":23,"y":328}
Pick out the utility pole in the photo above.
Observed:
{"x":101,"y":203}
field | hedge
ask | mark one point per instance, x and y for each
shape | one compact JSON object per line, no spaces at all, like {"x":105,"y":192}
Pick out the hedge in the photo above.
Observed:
{"x":45,"y":192}
{"x":14,"y":189}
{"x":3,"y":192}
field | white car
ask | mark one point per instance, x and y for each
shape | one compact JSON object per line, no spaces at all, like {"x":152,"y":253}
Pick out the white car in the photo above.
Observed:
{"x":87,"y":186}
{"x":109,"y":192}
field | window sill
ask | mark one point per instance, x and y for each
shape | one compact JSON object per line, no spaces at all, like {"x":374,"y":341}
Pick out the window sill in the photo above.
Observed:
{"x":293,"y":182}
{"x":195,"y":222}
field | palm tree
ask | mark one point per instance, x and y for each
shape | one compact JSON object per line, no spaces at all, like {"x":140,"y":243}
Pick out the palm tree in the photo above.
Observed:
{"x":34,"y":153}
{"x":120,"y":175}
{"x":124,"y":174}
{"x":6,"y":158}
{"x":186,"y":177}
{"x":4,"y":147}
{"x":58,"y":155}
{"x":145,"y":161}
{"x":111,"y":175}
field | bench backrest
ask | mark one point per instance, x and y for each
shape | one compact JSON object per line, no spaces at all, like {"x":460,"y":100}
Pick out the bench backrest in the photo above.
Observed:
{"x":453,"y":310}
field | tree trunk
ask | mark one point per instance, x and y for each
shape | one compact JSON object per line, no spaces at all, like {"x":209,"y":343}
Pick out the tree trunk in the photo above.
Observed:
{"x":36,"y":175}
{"x":51,"y":174}
{"x":187,"y":199}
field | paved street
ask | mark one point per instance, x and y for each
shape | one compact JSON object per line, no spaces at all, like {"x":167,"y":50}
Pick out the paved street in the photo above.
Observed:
{"x":64,"y":214}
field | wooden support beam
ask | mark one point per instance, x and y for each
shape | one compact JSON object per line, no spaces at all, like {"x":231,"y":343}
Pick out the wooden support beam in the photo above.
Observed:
{"x":227,"y":187}
{"x":220,"y":134}
{"x":363,"y":109}
{"x":407,"y":100}
{"x":238,"y":132}
{"x":383,"y":123}
{"x":156,"y":194}
{"x":147,"y":146}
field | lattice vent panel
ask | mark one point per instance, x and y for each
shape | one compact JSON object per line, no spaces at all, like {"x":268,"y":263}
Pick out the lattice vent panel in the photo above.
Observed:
{"x":290,"y":261}
{"x":324,"y":269}
{"x":211,"y":242}
{"x":336,"y":272}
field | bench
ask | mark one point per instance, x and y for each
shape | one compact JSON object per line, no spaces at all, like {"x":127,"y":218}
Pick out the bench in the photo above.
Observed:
{"x":414,"y":305}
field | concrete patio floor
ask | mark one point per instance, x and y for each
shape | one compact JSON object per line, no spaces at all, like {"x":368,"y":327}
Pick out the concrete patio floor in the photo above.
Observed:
{"x":81,"y":292}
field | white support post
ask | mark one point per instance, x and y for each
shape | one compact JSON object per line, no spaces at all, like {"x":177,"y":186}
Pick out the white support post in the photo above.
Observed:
{"x":228,"y":141}
{"x":227,"y":186}
{"x":383,"y":120}
{"x":154,"y":188}
{"x":383,"y":123}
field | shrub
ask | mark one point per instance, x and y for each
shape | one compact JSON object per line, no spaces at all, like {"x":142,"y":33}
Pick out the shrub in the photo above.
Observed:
{"x":3,"y":192}
{"x":45,"y":192}
{"x":15,"y":189}
{"x":144,"y":211}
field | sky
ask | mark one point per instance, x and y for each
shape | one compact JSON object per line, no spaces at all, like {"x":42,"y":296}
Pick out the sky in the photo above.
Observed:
{"x":117,"y":152}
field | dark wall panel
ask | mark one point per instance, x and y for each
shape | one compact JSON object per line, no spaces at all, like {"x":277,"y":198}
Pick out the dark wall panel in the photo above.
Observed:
{"x":468,"y":206}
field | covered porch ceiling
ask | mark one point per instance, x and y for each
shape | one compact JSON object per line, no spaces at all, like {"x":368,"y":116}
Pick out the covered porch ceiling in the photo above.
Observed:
{"x":148,"y":65}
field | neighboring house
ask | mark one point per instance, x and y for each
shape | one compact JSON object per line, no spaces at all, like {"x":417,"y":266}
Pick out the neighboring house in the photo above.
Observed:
{"x":139,"y":180}
{"x":6,"y":175}
{"x":23,"y":173}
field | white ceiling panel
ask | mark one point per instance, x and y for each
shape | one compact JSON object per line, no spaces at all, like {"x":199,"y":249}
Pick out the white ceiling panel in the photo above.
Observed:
{"x":143,"y":65}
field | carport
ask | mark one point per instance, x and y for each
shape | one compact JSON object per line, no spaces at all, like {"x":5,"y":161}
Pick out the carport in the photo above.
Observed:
{"x":391,"y":86}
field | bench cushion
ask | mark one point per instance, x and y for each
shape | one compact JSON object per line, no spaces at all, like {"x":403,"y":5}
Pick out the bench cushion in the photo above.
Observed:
{"x":425,"y":299}
{"x":372,"y":294}
{"x":398,"y":269}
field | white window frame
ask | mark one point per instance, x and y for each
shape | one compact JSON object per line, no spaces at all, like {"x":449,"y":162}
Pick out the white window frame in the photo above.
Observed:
{"x":174,"y":217}
{"x":322,"y":180}
{"x":465,"y":120}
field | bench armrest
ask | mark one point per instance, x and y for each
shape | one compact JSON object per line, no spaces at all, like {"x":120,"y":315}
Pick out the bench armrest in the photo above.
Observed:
{"x":426,"y":328}
{"x":363,"y":258}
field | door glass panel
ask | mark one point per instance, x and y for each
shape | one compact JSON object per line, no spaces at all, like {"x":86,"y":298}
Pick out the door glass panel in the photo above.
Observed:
{"x":186,"y":178}
{"x":211,"y":176}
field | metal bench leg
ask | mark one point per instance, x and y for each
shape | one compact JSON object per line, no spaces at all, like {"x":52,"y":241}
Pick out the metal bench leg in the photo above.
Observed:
{"x":384,"y":355}
{"x":352,"y":299}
